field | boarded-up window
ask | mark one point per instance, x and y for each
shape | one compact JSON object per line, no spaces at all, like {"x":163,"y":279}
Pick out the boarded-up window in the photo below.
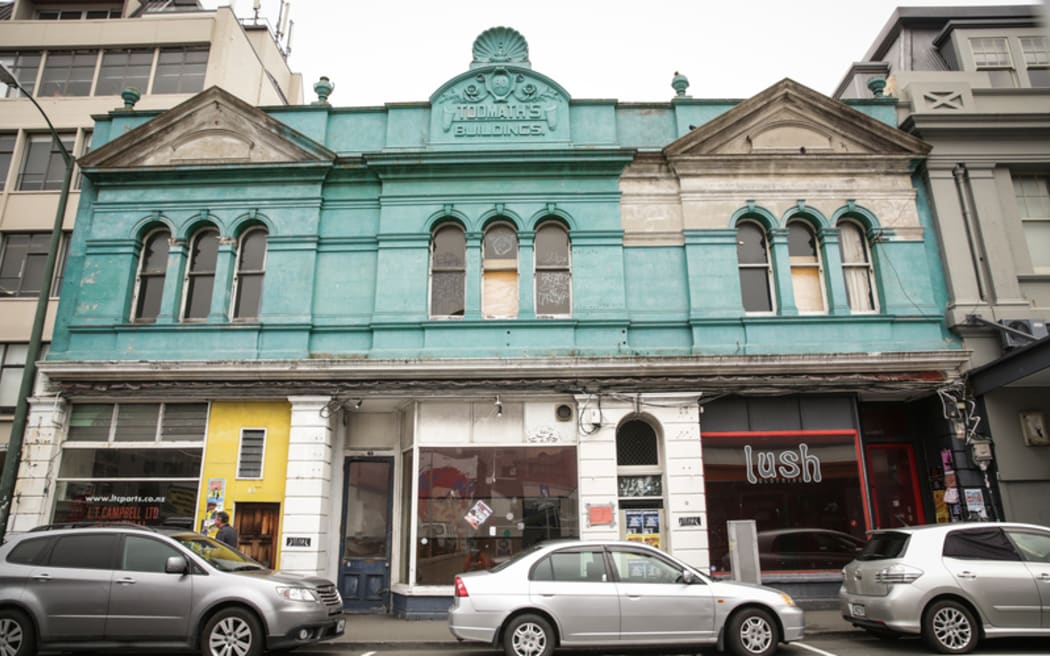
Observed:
{"x":500,"y":290}
{"x":806,"y":275}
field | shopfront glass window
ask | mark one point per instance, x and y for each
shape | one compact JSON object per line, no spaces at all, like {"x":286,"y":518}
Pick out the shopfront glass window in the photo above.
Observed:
{"x":478,"y":506}
{"x":790,"y":485}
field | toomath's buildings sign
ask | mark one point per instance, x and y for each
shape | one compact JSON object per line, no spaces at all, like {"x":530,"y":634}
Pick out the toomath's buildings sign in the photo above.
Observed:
{"x":500,"y":103}
{"x":500,"y":99}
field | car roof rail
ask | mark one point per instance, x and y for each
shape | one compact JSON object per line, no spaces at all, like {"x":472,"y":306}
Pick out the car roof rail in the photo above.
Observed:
{"x":66,"y":525}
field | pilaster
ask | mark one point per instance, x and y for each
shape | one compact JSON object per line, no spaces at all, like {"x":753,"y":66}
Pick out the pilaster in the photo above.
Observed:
{"x":35,"y":484}
{"x":831,"y":254}
{"x":526,"y":275}
{"x":171,"y":299}
{"x":225,"y":262}
{"x":782,"y":283}
{"x":472,"y":301}
{"x":307,"y":508}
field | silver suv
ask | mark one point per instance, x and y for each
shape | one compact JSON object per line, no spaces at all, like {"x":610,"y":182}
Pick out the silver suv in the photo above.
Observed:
{"x":103,"y":587}
{"x":951,"y":583}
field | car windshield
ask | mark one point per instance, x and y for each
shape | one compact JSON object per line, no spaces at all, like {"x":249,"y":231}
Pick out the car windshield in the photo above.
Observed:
{"x":884,"y":545}
{"x":216,"y":553}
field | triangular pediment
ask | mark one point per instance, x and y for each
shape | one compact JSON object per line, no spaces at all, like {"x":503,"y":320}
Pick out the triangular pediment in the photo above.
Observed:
{"x":212,"y":128}
{"x":789,"y":119}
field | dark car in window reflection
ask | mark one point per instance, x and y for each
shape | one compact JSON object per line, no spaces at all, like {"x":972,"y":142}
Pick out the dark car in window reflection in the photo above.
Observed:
{"x":796,"y":549}
{"x":806,"y":548}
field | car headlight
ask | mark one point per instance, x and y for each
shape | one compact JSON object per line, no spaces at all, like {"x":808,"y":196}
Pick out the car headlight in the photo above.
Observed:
{"x":787,"y":599}
{"x":297,"y":594}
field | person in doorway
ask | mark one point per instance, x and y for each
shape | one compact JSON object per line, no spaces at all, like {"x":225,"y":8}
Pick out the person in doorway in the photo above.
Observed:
{"x":227,"y":534}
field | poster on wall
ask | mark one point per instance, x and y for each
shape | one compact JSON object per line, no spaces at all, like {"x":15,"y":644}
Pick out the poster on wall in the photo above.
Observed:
{"x":643,"y":526}
{"x":478,"y":514}
{"x":216,"y":502}
{"x":975,"y":508}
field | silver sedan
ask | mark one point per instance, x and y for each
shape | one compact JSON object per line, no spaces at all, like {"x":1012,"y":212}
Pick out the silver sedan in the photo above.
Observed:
{"x":615,"y":594}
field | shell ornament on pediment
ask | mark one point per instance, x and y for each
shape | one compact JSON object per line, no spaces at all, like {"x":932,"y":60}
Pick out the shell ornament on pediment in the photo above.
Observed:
{"x":501,"y":45}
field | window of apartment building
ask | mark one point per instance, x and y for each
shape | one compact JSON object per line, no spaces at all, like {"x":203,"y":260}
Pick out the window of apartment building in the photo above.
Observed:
{"x":24,"y":65}
{"x":1033,"y":204}
{"x":448,"y":271}
{"x":499,"y":260}
{"x":200,"y":277}
{"x":23,"y":258}
{"x":180,"y":70}
{"x":857,"y":271}
{"x":83,"y":148}
{"x":7,"y":151}
{"x":553,"y":270}
{"x":251,"y":269}
{"x":137,"y":462}
{"x":126,"y":67}
{"x":1036,"y":53}
{"x":43,"y":166}
{"x":992,"y":55}
{"x":756,"y":273}
{"x":807,"y":274}
{"x":78,"y":14}
{"x":68,"y":73}
{"x":153,"y":265}
{"x":12,"y":366}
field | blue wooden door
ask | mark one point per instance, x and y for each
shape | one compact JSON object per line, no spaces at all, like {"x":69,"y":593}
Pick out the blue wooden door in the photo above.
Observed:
{"x":364,"y":572}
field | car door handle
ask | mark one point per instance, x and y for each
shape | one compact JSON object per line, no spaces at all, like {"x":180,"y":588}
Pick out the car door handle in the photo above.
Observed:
{"x":1044,"y":577}
{"x":127,"y":580}
{"x":630,"y":596}
{"x":967,"y":575}
{"x":43,"y":578}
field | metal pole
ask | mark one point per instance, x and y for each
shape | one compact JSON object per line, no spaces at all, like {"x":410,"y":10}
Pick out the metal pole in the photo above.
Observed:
{"x":18,"y":426}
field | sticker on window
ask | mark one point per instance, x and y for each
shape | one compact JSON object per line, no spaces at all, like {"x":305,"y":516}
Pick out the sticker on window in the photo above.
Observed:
{"x":478,"y":514}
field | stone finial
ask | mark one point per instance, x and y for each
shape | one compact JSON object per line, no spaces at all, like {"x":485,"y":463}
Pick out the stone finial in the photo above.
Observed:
{"x":877,"y":85}
{"x":131,"y":96}
{"x":679,"y":83}
{"x":323,"y":88}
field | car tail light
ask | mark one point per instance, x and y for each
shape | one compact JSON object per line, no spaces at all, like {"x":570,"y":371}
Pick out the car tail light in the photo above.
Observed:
{"x":897,"y":574}
{"x":461,"y":589}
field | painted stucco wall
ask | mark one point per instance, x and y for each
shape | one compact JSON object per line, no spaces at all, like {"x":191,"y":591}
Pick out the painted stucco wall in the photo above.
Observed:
{"x":222,"y":445}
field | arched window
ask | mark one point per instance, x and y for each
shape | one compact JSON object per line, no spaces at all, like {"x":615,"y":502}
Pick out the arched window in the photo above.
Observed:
{"x":756,"y":276}
{"x":149,"y":285}
{"x":856,"y":267}
{"x":200,"y":277}
{"x":448,"y":271}
{"x":499,"y":253}
{"x":807,"y":276}
{"x":639,"y":474}
{"x":251,"y":267}
{"x":553,"y":271}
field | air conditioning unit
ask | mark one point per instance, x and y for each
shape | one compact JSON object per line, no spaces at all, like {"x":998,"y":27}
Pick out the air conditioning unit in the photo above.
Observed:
{"x":1034,"y":327}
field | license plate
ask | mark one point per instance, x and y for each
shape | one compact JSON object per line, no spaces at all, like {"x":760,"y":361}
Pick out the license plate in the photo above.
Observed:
{"x":856,"y":610}
{"x":340,"y":625}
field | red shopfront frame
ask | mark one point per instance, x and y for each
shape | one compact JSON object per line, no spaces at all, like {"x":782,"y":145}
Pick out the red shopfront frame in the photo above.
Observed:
{"x":893,"y":474}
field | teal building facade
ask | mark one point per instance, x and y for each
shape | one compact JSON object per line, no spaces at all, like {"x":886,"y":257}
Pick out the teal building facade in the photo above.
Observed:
{"x":503,"y":315}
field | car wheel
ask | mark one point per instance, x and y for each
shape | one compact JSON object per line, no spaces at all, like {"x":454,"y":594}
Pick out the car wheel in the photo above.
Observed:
{"x":16,"y":634}
{"x":949,"y":628}
{"x":752,"y":632}
{"x":232,"y":632}
{"x":528,"y":635}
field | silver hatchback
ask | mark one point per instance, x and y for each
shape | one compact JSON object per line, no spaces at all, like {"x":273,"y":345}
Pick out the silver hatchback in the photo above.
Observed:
{"x":615,"y":594}
{"x":104,"y":588}
{"x":953,"y":584}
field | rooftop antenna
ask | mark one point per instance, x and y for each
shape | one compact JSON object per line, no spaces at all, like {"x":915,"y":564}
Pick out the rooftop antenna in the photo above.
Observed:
{"x":288,"y":39}
{"x":256,"y":5}
{"x":280,"y":20}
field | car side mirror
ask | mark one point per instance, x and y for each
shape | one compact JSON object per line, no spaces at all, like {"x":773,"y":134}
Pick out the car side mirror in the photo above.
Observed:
{"x":689,"y":578}
{"x":176,"y":565}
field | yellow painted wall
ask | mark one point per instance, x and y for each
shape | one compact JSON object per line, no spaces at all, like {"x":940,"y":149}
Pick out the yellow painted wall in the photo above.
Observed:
{"x":220,"y":456}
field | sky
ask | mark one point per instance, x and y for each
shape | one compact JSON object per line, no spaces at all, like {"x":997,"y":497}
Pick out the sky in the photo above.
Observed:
{"x":380,"y":51}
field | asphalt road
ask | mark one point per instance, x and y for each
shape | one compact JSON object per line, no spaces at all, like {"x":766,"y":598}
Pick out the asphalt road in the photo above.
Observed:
{"x":819,"y":646}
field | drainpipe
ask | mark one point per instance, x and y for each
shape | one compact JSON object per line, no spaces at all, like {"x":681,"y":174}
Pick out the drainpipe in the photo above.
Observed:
{"x":973,"y":234}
